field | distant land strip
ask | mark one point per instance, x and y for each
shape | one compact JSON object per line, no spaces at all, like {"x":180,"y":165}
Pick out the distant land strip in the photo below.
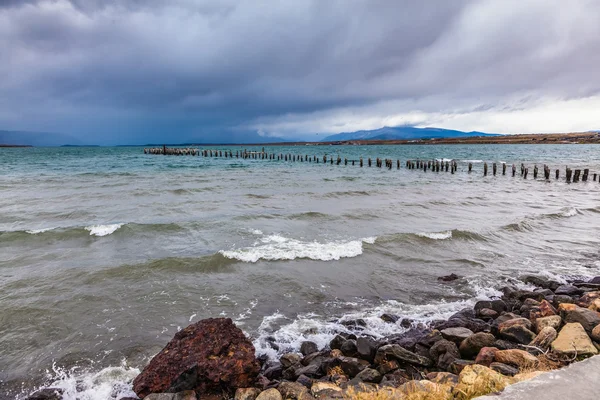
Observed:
{"x":15,"y":145}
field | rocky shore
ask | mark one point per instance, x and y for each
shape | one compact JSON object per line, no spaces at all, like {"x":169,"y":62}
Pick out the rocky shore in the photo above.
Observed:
{"x":477,"y":351}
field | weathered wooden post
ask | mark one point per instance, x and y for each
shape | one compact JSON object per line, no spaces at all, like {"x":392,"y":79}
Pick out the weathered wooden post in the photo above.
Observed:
{"x":576,"y":175}
{"x":361,"y":162}
{"x":503,"y":168}
{"x":164,"y":149}
{"x":586,"y":173}
{"x":353,"y":163}
{"x":398,"y":164}
{"x":595,"y":177}
{"x":557,"y":173}
{"x":535,"y":171}
{"x":546,"y":172}
{"x":494,"y":168}
{"x":485,"y":169}
{"x":447,"y":166}
{"x":525,"y":173}
{"x":345,"y":160}
{"x":569,"y":174}
{"x":514,"y":170}
{"x":470,"y":167}
{"x":331,"y":161}
{"x":369,"y":161}
{"x":522,"y":169}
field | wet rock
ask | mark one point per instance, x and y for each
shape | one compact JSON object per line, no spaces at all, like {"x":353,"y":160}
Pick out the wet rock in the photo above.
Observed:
{"x":487,"y":314}
{"x":477,"y":380}
{"x":356,"y":324}
{"x":315,"y":358}
{"x":307,"y":348}
{"x":319,"y":387}
{"x":270,"y":394}
{"x":430,"y":339}
{"x":545,"y":309}
{"x":409,"y":339}
{"x":573,"y":340}
{"x":486,"y":356}
{"x":406,"y":322}
{"x":553,"y":321}
{"x":458,"y":365}
{"x":540,"y":282}
{"x":473,"y":324}
{"x":390,"y":318}
{"x":185,"y":395}
{"x":516,"y":357}
{"x":471,"y":346}
{"x":366,"y":348}
{"x":394,"y":379}
{"x":293,"y":390}
{"x":505,"y":345}
{"x":544,"y":338}
{"x":443,"y":353}
{"x":388,"y":366}
{"x":568,"y":290}
{"x":562,"y":299}
{"x":399,"y":353}
{"x":349,"y":348}
{"x":504,"y":369}
{"x":496,"y":305}
{"x":595,"y":280}
{"x":305,"y":381}
{"x":517,"y":334}
{"x":350,"y":365}
{"x":524,"y":322}
{"x":456,"y":335}
{"x":47,"y":394}
{"x":337,"y":342}
{"x":586,"y":317}
{"x":443,"y":378}
{"x":274,"y":372}
{"x":368,"y":375}
{"x":246,"y":393}
{"x":210,"y":356}
{"x":448,"y":278}
{"x":289,"y":359}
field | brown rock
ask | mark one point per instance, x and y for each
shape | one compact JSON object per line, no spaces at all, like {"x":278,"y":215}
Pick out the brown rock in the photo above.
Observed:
{"x":572,"y":339}
{"x":185,"y":395}
{"x":524,"y":322}
{"x":293,"y":390}
{"x":270,"y":394}
{"x":319,"y":387}
{"x":517,"y":334}
{"x":486,"y":356}
{"x":246,"y":393}
{"x":456,"y":335}
{"x":209,"y":356}
{"x":394,"y":351}
{"x":458,"y":365}
{"x":443,"y":378}
{"x":553,"y":321}
{"x":470,"y":347}
{"x":596,"y":334}
{"x":519,"y":358}
{"x":504,"y":369}
{"x":586,"y":317}
{"x":544,"y":338}
{"x":545,"y":309}
{"x":595,"y":305}
{"x":588,"y":298}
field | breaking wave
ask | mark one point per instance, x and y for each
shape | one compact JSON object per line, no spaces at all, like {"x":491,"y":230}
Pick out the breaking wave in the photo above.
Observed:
{"x":102,"y":230}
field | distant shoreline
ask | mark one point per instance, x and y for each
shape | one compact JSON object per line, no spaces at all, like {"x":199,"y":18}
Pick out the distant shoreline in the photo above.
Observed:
{"x":15,"y":145}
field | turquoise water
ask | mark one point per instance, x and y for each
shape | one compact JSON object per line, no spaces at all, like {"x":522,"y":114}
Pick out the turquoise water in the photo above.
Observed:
{"x":106,"y":252}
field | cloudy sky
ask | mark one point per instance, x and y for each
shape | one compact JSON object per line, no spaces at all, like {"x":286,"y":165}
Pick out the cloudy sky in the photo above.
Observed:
{"x":136,"y":71}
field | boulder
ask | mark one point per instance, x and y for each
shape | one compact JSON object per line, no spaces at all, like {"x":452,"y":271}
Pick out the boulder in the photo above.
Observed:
{"x":517,"y":334}
{"x":448,"y":278}
{"x":586,"y":317}
{"x":545,"y":309}
{"x":443,"y":353}
{"x":486,"y":356}
{"x":293,"y":390}
{"x":477,"y":380}
{"x":487,"y":314}
{"x":246,"y":393}
{"x":307,"y":348}
{"x":596,"y":334}
{"x":595,"y":280}
{"x":471,"y":323}
{"x":350,"y":365}
{"x":319,"y":387}
{"x":573,"y":340}
{"x":366,"y":348}
{"x":524,"y":322}
{"x":553,"y":321}
{"x":289,"y":359}
{"x":595,"y":305}
{"x":516,"y":357}
{"x":337,"y":342}
{"x":399,"y":353}
{"x":270,"y":394}
{"x":544,"y":338}
{"x":349,"y":348}
{"x":471,"y":346}
{"x":562,"y":299}
{"x":390,"y":318}
{"x":416,"y":389}
{"x":588,"y":298}
{"x":458,"y":365}
{"x":496,"y":305}
{"x":540,"y":282}
{"x":185,"y":395}
{"x":210,"y":356}
{"x":501,"y":344}
{"x":388,"y":366}
{"x":456,"y":335}
{"x":368,"y":375}
{"x":568,"y":290}
{"x":504,"y":369}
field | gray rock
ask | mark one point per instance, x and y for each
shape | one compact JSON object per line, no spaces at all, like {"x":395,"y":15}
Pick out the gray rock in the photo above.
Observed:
{"x":457,"y":334}
{"x":47,"y":394}
{"x":337,"y":342}
{"x":397,"y":352}
{"x":586,"y":317}
{"x":391,"y":318}
{"x":471,"y":346}
{"x":366,"y":348}
{"x":568,"y":290}
{"x":504,"y":369}
{"x":368,"y":375}
{"x":349,"y":348}
{"x":289,"y":359}
{"x":307,"y":348}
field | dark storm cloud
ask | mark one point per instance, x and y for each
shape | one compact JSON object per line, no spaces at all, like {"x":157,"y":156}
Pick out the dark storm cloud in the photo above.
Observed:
{"x":223,"y":64}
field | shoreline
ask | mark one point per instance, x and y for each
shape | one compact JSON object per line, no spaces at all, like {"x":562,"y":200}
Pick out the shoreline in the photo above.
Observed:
{"x":477,"y":351}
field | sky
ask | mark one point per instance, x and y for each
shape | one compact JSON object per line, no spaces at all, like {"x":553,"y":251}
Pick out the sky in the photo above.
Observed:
{"x":140,"y":71}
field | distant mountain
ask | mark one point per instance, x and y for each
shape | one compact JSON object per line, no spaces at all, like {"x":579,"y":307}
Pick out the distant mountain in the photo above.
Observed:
{"x":36,"y":138}
{"x":402,"y":133}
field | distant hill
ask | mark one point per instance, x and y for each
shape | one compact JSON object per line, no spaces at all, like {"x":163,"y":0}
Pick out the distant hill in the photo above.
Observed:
{"x":402,"y":133}
{"x":36,"y":138}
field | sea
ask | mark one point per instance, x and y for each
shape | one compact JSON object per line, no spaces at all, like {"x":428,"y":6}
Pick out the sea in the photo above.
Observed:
{"x":106,"y":252}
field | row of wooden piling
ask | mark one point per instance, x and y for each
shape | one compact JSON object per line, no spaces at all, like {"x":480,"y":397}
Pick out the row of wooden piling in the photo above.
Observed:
{"x":424,"y":165}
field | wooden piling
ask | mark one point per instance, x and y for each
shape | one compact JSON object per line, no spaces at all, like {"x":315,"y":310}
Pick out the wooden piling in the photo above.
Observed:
{"x":361,"y":162}
{"x":557,"y":173}
{"x":535,"y":171}
{"x":369,"y":161}
{"x":503,"y":168}
{"x":586,"y":173}
{"x":525,"y":172}
{"x":494,"y":169}
{"x":485,"y":169}
{"x":514,"y":170}
{"x":576,"y":175}
{"x":470,"y":167}
{"x":569,"y":174}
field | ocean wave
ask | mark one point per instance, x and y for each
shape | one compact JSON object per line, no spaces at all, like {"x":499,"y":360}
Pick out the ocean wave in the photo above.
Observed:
{"x":103,"y":230}
{"x":288,"y":333}
{"x":436,"y":235}
{"x":36,"y":231}
{"x":106,"y":384}
{"x":277,"y":247}
{"x":472,"y":161}
{"x":528,"y":223}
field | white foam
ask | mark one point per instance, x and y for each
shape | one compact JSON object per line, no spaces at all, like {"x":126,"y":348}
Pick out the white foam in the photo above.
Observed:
{"x":436,"y":235}
{"x":569,"y":212}
{"x":444,"y":159}
{"x":103,"y":230}
{"x":106,"y":384}
{"x":289,"y":333}
{"x":472,"y":161}
{"x":36,"y":231}
{"x":256,"y":232}
{"x":277,"y":247}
